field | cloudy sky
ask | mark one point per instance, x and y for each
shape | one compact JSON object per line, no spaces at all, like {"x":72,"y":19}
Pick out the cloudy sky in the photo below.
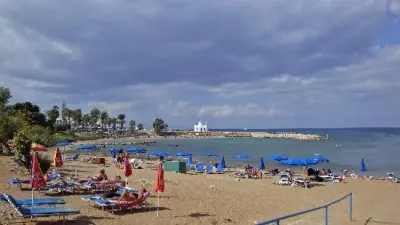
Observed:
{"x":233,"y":63}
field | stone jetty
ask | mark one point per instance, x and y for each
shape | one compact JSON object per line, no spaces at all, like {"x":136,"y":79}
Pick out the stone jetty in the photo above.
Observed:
{"x":245,"y":134}
{"x":297,"y":136}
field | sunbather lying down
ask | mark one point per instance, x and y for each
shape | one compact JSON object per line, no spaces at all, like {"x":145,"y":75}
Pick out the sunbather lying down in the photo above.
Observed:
{"x":126,"y":195}
{"x":102,"y":176}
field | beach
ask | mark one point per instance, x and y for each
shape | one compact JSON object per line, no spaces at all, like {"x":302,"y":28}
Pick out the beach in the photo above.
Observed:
{"x":221,"y":199}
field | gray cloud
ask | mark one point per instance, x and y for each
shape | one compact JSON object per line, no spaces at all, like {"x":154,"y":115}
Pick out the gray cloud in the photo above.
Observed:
{"x":181,"y":59}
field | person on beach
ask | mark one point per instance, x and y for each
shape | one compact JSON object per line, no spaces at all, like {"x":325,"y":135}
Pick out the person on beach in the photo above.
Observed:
{"x":129,"y":196}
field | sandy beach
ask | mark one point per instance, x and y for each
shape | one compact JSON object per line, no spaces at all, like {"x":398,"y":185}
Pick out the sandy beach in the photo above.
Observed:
{"x":220,"y":199}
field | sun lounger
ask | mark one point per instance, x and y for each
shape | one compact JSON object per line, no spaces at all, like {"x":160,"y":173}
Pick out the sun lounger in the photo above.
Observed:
{"x":40,"y":212}
{"x":122,"y":205}
{"x":301,"y":182}
{"x":285,"y":178}
{"x":209,"y":169}
{"x":93,"y":198}
{"x":199,"y":167}
{"x":36,"y":201}
{"x":16,"y":181}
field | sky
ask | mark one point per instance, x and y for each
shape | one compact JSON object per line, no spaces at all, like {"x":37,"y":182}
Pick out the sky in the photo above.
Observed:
{"x":232,"y":63}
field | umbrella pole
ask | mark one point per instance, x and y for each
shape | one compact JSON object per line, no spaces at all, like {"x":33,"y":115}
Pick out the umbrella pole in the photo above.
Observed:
{"x":32,"y":204}
{"x":158,"y":202}
{"x":126,"y":182}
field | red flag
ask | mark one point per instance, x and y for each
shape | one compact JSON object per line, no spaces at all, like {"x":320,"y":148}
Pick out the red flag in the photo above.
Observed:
{"x":37,"y":178}
{"x":160,"y":185}
{"x":127,"y":166}
{"x":57,"y":158}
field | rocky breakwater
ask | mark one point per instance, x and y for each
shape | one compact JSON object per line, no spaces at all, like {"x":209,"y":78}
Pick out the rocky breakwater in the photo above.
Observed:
{"x":297,"y":136}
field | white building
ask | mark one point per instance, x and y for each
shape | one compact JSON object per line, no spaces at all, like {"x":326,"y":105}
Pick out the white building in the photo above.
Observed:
{"x":200,"y":127}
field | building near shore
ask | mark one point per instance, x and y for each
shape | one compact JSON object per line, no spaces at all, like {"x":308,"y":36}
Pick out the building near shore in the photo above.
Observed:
{"x":200,"y":127}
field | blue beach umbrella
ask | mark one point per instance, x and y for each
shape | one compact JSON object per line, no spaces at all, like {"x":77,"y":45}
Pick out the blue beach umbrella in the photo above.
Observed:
{"x":190,"y":161}
{"x":161,"y":154}
{"x":297,"y":162}
{"x":87,"y":147}
{"x":183,"y":154}
{"x":277,"y":157}
{"x":63,"y":144}
{"x":113,"y":152}
{"x":212,"y":154}
{"x":363,"y":167}
{"x":222,"y":163}
{"x":320,"y":159}
{"x":262,"y":166}
{"x":241,"y":156}
{"x":135,"y":149}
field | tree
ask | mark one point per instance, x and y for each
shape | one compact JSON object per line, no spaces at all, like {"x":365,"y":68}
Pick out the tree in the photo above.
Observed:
{"x":63,"y":112}
{"x":114,"y":122}
{"x":77,"y":117}
{"x":5,"y":96}
{"x":159,"y":125}
{"x":9,"y":125}
{"x":52,"y":115}
{"x":132,"y":125}
{"x":140,"y":126}
{"x":86,"y":119}
{"x":104,"y":118}
{"x":121,"y":120}
{"x":94,"y":116}
{"x":32,"y":112}
{"x":68,"y":114}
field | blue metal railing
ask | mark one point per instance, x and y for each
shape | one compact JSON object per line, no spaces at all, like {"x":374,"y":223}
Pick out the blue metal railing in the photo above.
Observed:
{"x":277,"y":220}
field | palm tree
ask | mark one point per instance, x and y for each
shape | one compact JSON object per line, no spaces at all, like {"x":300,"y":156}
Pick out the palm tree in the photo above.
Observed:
{"x":121,"y":120}
{"x":132,"y":124}
{"x":77,"y":117}
{"x":103,"y":118}
{"x":114,"y":122}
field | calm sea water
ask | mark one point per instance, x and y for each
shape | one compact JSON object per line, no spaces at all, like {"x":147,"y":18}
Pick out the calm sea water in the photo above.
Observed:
{"x":378,"y":146}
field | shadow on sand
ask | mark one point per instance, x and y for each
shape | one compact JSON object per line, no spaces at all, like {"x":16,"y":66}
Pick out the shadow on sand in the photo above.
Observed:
{"x":80,"y":220}
{"x":370,"y":221}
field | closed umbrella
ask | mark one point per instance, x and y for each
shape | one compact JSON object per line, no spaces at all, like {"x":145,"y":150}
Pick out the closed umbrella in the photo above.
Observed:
{"x":57,"y":159}
{"x":363,"y":168}
{"x":262,"y":166}
{"x":190,"y":161}
{"x":222,"y":163}
{"x":127,"y":169}
{"x":160,"y":184}
{"x":37,"y":177}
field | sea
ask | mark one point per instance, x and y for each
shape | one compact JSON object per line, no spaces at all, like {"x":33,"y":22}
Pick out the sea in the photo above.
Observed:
{"x":345,"y":148}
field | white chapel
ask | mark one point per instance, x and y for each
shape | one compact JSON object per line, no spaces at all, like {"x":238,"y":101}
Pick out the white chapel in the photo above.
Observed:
{"x":200,"y":127}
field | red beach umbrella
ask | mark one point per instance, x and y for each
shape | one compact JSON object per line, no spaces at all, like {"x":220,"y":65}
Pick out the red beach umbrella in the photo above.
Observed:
{"x":127,"y":169}
{"x":160,"y":185}
{"x":38,"y":148}
{"x":57,"y":158}
{"x":37,"y":178}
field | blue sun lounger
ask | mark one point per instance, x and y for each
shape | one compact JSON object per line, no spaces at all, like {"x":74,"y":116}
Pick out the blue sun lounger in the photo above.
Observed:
{"x":36,"y":202}
{"x":40,"y":212}
{"x":199,"y":167}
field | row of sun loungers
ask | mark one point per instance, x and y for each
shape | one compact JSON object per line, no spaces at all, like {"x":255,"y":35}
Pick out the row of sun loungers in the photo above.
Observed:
{"x":11,"y":208}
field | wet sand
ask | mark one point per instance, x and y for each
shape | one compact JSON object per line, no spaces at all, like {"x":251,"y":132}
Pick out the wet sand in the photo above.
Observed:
{"x":220,"y":199}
